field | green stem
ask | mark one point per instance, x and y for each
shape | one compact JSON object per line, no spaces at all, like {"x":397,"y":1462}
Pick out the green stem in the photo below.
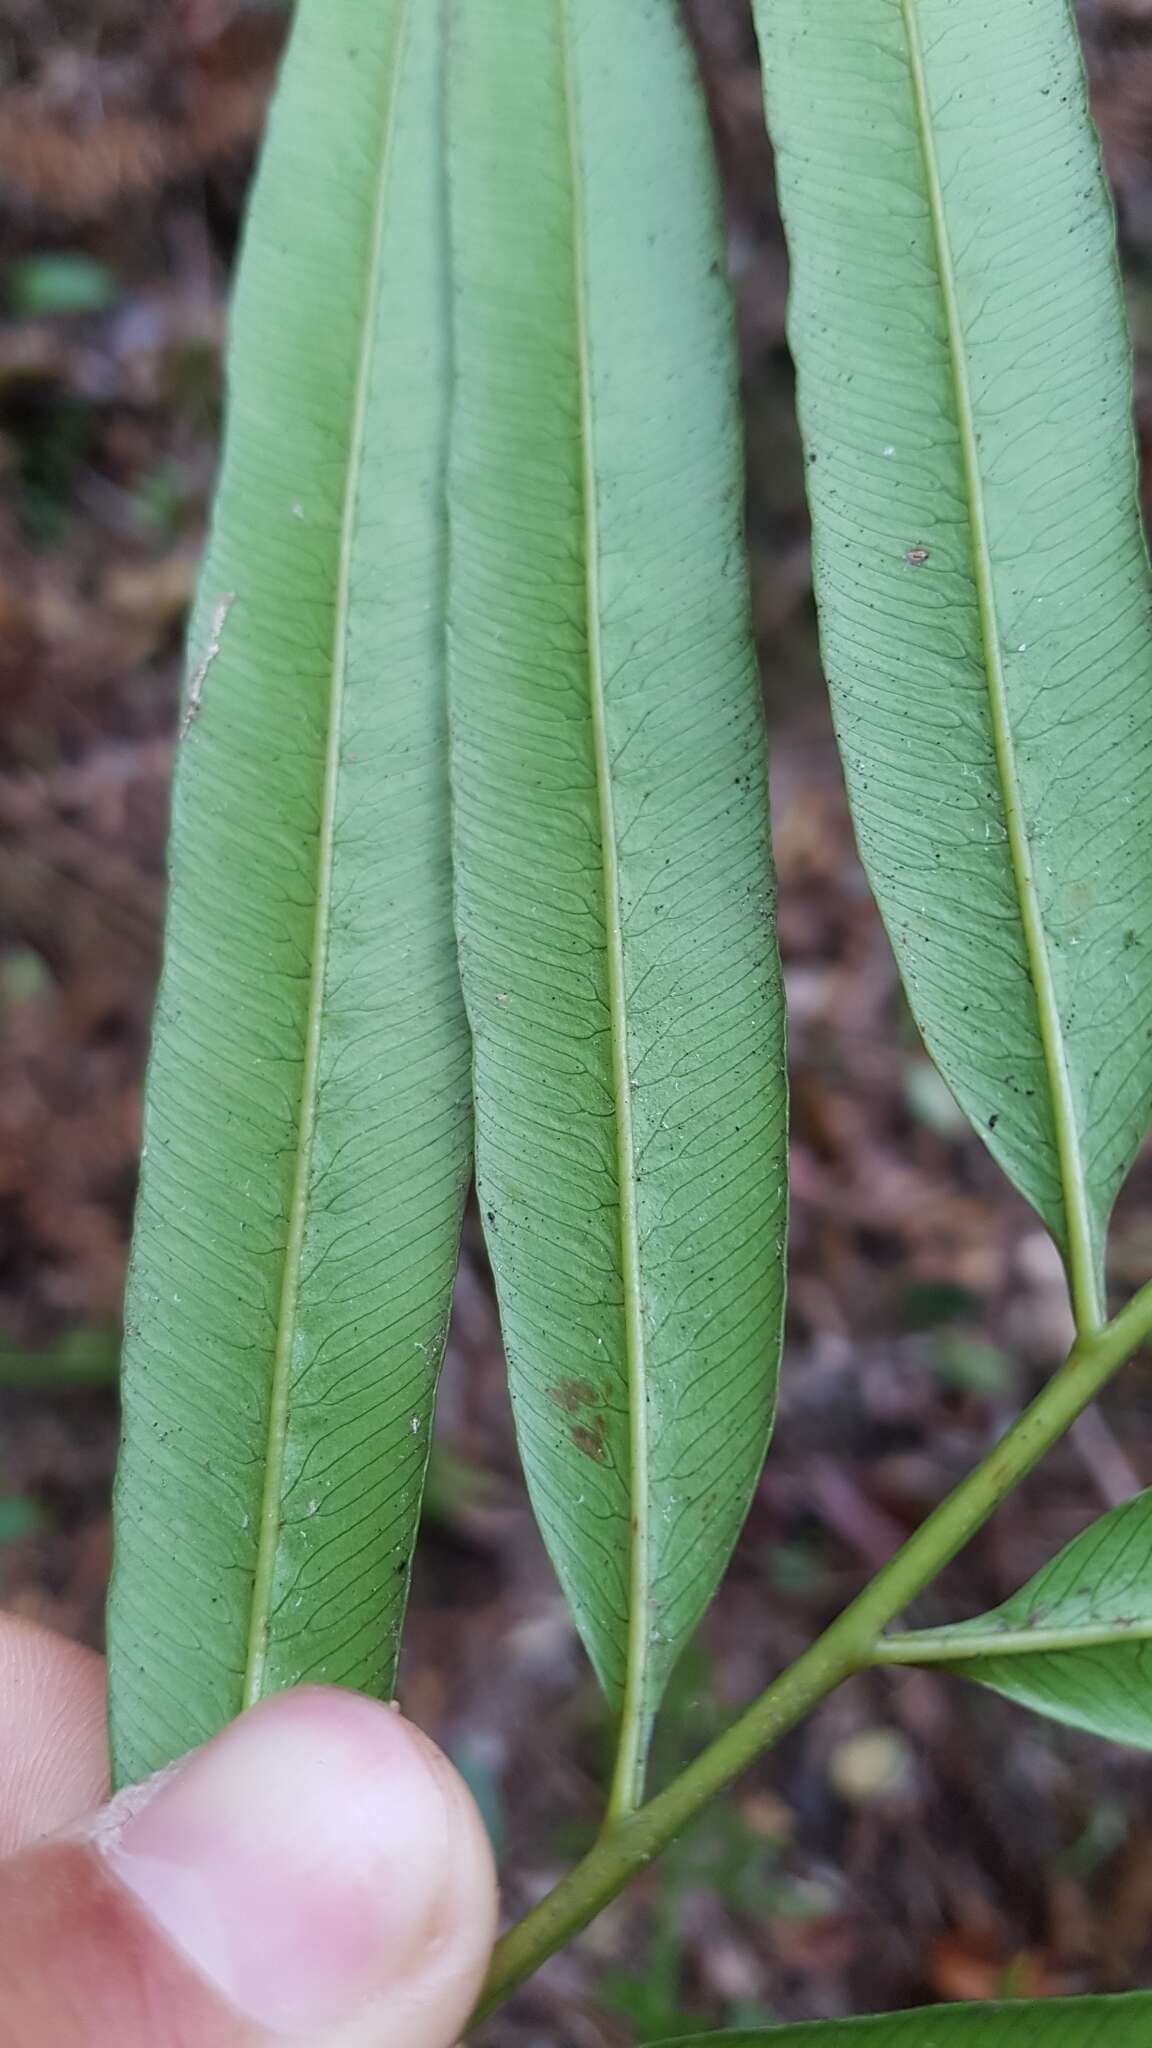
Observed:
{"x":963,"y":1646}
{"x":849,"y":1645}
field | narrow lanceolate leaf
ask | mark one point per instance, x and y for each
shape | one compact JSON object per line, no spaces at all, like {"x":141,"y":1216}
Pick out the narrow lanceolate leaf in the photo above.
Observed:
{"x":1075,"y":1642}
{"x":614,"y":884}
{"x":964,"y":393}
{"x":306,"y":1144}
{"x":1030,"y":2023}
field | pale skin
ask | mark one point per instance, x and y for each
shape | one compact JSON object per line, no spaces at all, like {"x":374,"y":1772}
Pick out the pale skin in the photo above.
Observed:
{"x":317,"y":1875}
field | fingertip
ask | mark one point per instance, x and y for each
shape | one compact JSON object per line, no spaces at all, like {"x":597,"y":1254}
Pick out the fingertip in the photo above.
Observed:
{"x":322,"y":1866}
{"x":53,"y":1745}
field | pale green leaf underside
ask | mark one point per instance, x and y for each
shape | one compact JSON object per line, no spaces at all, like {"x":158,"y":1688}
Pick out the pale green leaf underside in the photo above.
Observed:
{"x":1077,"y":1638}
{"x":307,"y":1127}
{"x":1032,"y":2023}
{"x":614,"y":883}
{"x":964,"y":392}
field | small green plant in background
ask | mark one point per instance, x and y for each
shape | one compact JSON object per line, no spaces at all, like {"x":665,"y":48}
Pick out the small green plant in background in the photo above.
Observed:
{"x":471,"y":855}
{"x":44,"y":287}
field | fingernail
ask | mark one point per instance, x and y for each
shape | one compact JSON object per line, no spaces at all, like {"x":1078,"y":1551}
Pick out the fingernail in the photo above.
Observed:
{"x":298,"y":1861}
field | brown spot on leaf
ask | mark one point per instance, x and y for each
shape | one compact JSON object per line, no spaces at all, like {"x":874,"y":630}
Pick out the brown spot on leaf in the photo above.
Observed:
{"x":572,"y":1395}
{"x":591,"y":1439}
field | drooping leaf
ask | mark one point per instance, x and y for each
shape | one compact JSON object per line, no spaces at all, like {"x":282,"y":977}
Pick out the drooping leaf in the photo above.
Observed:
{"x":964,"y":393}
{"x":1075,"y":1642}
{"x":614,"y":884}
{"x":307,"y":1130}
{"x":1028,"y":2023}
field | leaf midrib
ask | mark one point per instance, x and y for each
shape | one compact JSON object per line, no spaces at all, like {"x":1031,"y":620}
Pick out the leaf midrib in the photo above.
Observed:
{"x":628,"y":1777}
{"x":950,"y":1647}
{"x":1083,"y":1273}
{"x":270,"y":1517}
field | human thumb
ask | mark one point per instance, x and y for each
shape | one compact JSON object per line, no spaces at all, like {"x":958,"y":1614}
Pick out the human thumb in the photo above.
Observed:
{"x":316,"y":1874}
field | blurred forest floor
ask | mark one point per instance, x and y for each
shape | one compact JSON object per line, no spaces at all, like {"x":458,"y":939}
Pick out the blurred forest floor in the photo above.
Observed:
{"x":917,"y":1840}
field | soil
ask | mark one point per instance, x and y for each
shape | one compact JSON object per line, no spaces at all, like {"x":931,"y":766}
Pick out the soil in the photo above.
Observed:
{"x":916,"y":1840}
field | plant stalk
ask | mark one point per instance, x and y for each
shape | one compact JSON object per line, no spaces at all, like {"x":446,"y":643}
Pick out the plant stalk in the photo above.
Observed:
{"x":849,"y":1645}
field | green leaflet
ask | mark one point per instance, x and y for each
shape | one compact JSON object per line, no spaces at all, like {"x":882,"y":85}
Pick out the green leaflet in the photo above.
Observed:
{"x":614,"y":883}
{"x":307,"y":1142}
{"x":964,"y":390}
{"x":1030,"y":2023}
{"x":1075,"y":1642}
